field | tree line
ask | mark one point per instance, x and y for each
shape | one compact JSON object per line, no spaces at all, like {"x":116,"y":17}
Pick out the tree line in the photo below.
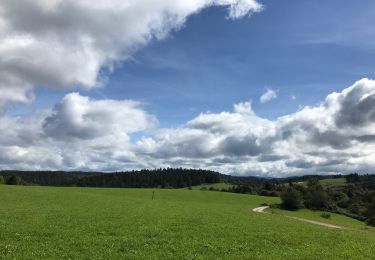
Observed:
{"x":356,"y":199}
{"x":163,"y":178}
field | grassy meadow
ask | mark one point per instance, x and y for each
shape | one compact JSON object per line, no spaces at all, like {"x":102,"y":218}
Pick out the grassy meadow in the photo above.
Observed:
{"x":329,"y":182}
{"x":220,"y":185}
{"x":335,"y":182}
{"x":335,"y":219}
{"x":102,"y":223}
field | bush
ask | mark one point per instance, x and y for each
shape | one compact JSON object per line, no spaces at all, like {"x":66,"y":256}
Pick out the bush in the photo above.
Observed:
{"x":341,"y":199}
{"x":274,"y":194}
{"x":317,"y":199}
{"x":370,"y":214}
{"x":2,"y":180}
{"x":313,"y":184}
{"x":356,"y":208}
{"x":14,"y":180}
{"x":325,"y":215}
{"x":269,"y":193}
{"x":371,"y":221}
{"x":291,"y":199}
{"x":300,"y":188}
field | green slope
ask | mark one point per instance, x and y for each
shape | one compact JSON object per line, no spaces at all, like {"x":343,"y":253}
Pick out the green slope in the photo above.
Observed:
{"x":219,"y":186}
{"x":331,"y":182}
{"x":89,"y":223}
{"x":316,"y":215}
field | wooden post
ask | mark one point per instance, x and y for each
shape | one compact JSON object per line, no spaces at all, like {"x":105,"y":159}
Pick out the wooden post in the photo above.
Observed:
{"x":153,"y":195}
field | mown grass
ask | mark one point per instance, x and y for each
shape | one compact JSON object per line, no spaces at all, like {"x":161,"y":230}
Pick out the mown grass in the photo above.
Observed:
{"x":89,"y":223}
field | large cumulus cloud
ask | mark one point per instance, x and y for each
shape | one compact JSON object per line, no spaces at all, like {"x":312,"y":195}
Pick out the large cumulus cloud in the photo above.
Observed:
{"x":87,"y":134}
{"x":335,"y":136}
{"x":78,"y":133}
{"x":78,"y":117}
{"x":68,"y":43}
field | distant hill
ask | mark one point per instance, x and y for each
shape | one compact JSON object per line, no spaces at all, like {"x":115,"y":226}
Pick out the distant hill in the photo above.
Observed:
{"x":162,"y":177}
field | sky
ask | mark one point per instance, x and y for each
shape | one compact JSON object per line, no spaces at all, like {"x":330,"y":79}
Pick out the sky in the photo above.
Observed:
{"x":244,"y":87}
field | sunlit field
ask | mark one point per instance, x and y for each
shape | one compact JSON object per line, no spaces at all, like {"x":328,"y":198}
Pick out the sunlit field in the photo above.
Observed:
{"x":96,"y":223}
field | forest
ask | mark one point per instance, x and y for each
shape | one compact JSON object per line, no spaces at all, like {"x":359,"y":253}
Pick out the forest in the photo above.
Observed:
{"x":355,"y":199}
{"x":157,"y":178}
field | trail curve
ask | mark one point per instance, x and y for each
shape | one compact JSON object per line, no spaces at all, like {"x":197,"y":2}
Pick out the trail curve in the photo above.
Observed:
{"x":263,"y":208}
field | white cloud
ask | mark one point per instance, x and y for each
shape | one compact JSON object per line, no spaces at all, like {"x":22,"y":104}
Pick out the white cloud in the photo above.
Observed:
{"x":78,"y":117}
{"x":267,"y":96}
{"x":78,"y":133}
{"x":68,"y":43}
{"x":336,"y":136}
{"x":81,"y":133}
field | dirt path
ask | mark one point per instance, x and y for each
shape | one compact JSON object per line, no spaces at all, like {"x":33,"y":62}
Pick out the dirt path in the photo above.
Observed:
{"x":263,"y":208}
{"x":317,"y":223}
{"x":260,"y":209}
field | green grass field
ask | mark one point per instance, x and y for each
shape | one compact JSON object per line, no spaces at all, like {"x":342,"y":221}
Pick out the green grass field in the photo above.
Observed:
{"x":335,"y":219}
{"x":336,"y":181}
{"x":329,"y":182}
{"x":90,"y":223}
{"x":220,"y":185}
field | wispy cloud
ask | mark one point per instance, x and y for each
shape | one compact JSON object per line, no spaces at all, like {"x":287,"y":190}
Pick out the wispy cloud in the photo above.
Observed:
{"x":268,"y":95}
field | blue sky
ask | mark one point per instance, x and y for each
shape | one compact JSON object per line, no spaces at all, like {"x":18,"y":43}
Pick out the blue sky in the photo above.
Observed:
{"x":303,"y":48}
{"x":214,"y":62}
{"x":208,"y":61}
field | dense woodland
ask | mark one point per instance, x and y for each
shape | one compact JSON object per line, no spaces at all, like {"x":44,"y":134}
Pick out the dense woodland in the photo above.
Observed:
{"x":356,"y":199}
{"x":163,"y":178}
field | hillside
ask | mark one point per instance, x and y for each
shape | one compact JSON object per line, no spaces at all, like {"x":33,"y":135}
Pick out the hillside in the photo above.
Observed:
{"x":81,"y":223}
